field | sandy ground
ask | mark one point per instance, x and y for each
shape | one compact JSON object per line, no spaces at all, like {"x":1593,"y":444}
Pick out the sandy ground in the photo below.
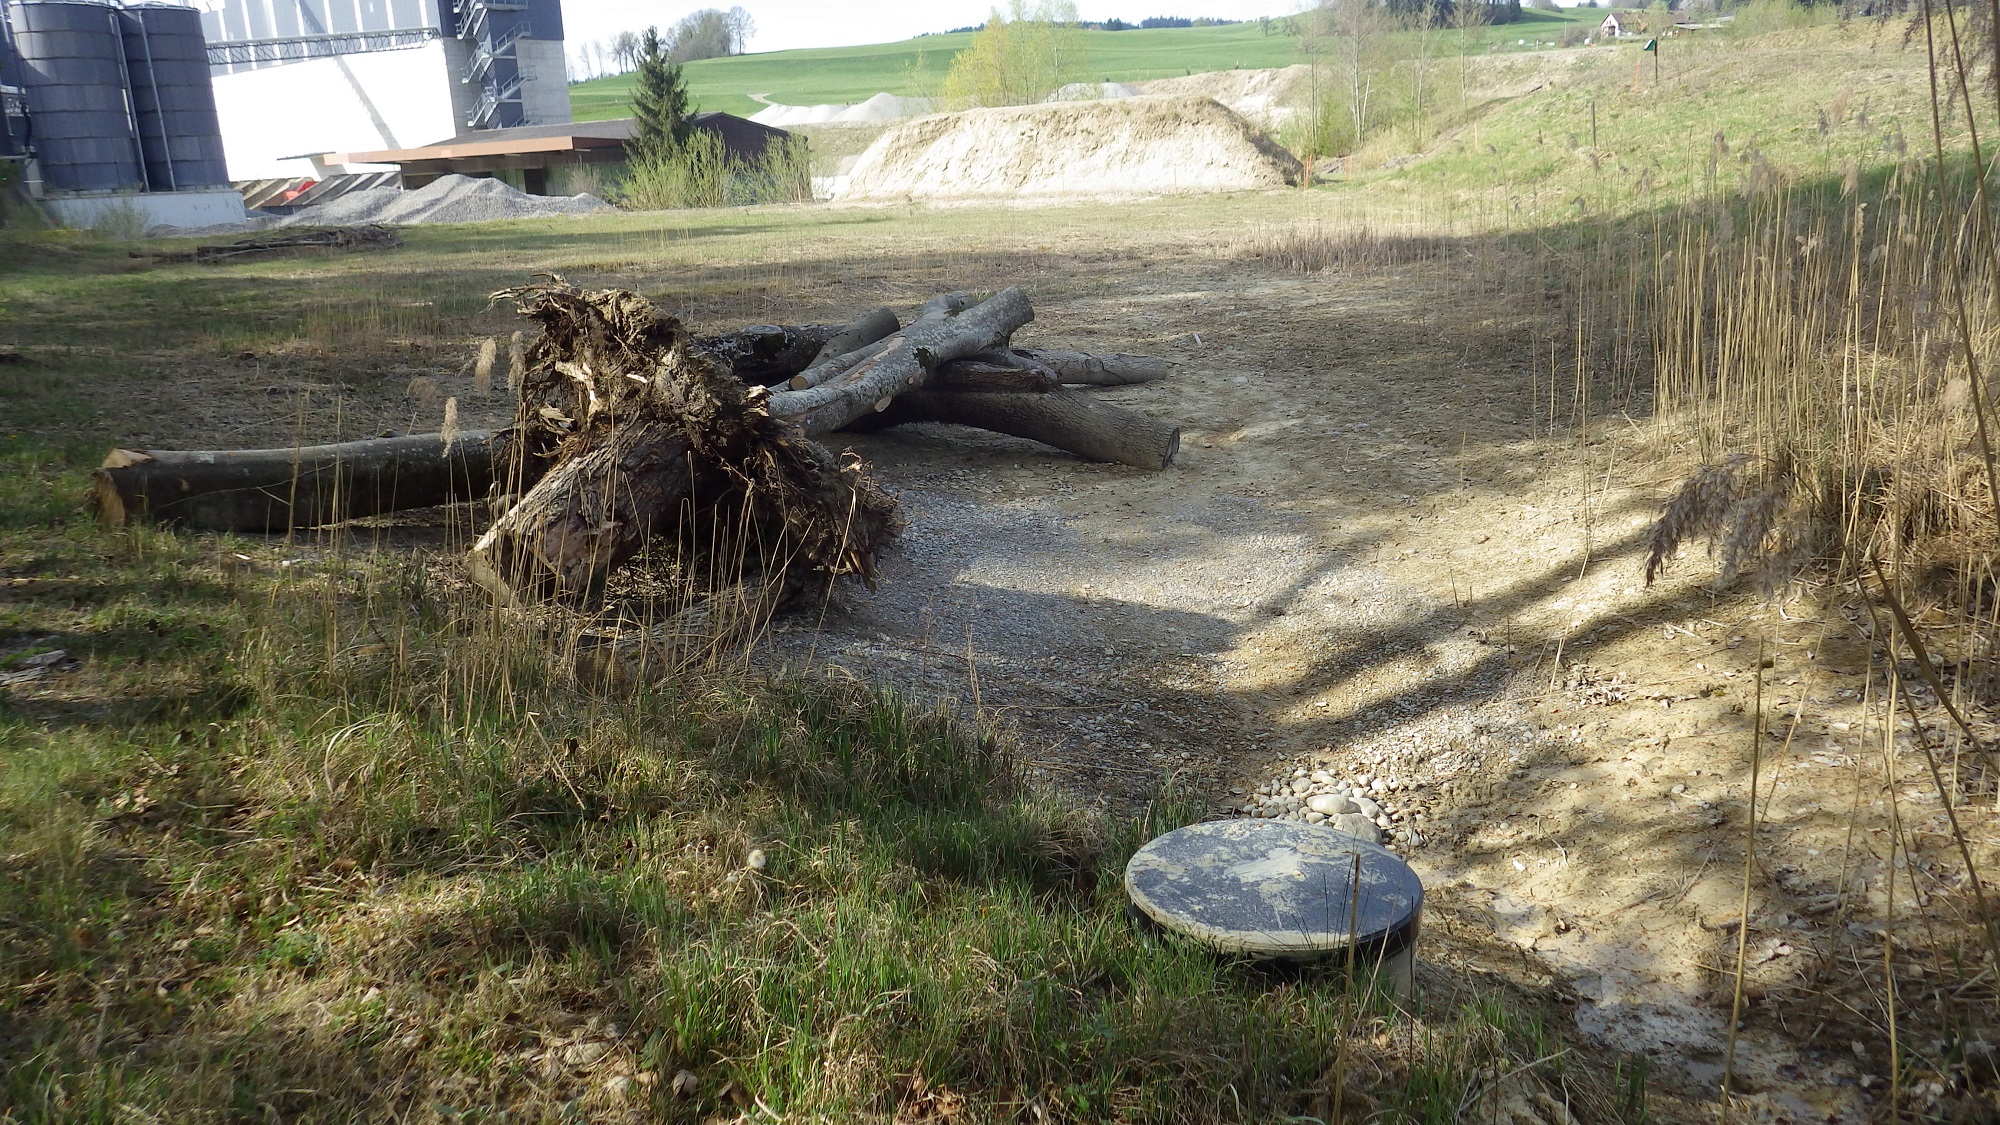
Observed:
{"x":1373,"y":557}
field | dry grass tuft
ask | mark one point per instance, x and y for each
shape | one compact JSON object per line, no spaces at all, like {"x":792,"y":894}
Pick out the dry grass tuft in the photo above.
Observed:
{"x":1313,"y":247}
{"x":1751,"y":511}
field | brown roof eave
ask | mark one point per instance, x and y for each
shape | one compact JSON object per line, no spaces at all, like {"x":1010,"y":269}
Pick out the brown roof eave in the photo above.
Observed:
{"x":465,"y":151}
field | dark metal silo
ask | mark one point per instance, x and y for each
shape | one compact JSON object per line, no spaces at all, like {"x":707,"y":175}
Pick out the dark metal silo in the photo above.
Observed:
{"x":173,"y":101}
{"x":72,"y":62}
{"x":13,"y":106}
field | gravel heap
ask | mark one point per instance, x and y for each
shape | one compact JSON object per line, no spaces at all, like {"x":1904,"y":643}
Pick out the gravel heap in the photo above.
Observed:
{"x":447,"y":199}
{"x":882,"y":107}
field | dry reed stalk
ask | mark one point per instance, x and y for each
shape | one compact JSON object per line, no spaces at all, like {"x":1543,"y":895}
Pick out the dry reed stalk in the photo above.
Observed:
{"x":1991,"y":922}
{"x":1749,"y":871}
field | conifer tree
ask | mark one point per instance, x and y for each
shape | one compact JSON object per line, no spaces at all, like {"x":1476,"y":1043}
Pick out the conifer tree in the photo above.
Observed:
{"x":659,"y":103}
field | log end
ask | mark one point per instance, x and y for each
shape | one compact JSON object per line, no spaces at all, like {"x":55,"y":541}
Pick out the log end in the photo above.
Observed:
{"x":124,"y":459}
{"x":105,"y":497}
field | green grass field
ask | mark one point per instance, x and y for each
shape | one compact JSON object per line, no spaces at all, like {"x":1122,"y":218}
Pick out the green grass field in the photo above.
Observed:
{"x":843,"y":75}
{"x":851,"y":74}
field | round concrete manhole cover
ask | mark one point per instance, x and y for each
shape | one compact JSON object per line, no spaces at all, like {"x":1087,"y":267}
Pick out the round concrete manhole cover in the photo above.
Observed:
{"x":1279,"y":889}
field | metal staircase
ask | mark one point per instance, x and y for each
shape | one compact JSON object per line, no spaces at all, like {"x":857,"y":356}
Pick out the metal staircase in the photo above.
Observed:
{"x":495,"y":67}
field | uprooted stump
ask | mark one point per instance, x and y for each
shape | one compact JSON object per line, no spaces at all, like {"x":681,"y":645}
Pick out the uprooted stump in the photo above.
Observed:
{"x":631,"y":431}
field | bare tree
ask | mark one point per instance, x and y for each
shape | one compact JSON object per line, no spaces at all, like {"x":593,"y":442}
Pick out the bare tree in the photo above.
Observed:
{"x":625,"y":51}
{"x":1471,"y":18}
{"x":1357,"y":38}
{"x":1424,"y":20}
{"x":742,"y":28}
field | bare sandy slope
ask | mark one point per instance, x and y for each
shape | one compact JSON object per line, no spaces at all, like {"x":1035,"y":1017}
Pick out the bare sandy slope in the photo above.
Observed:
{"x":1123,"y":146}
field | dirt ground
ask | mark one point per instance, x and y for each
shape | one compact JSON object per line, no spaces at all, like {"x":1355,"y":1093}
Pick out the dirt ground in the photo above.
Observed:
{"x":1373,"y":557}
{"x":1366,"y":560}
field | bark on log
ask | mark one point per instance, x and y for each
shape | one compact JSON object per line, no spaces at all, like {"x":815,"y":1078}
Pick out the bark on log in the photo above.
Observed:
{"x":873,"y":325}
{"x":829,"y":368}
{"x":275,"y":489}
{"x":1085,"y":369}
{"x":980,"y":374}
{"x":1068,"y":419}
{"x":763,"y":353}
{"x":587,"y":515}
{"x":906,"y":364}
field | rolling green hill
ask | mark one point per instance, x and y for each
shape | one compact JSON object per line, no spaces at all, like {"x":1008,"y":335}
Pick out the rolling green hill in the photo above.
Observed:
{"x":852,"y":74}
{"x":844,"y":75}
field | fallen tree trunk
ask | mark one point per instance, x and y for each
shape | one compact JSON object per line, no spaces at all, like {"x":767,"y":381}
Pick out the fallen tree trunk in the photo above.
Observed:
{"x":828,"y":368}
{"x":275,"y":489}
{"x":906,"y":364}
{"x":1085,"y":369}
{"x":762,"y":353}
{"x":1067,"y":419}
{"x":873,"y":325}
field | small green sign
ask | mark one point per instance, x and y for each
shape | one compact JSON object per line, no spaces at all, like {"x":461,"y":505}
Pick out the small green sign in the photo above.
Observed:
{"x":1651,"y":45}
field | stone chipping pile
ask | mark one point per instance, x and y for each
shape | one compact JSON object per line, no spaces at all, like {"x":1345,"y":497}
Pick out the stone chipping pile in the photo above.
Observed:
{"x":447,"y":199}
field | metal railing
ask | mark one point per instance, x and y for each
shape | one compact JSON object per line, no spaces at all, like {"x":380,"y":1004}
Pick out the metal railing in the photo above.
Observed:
{"x":495,"y":97}
{"x":297,"y":48}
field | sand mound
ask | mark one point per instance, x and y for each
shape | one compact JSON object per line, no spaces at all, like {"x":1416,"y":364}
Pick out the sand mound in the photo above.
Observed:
{"x":447,"y":199}
{"x":1085,"y":91}
{"x":1127,"y":146}
{"x":1264,"y":96}
{"x":882,"y":107}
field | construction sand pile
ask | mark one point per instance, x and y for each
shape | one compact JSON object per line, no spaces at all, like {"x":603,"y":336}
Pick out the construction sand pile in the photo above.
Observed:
{"x":1085,"y":91}
{"x":881,"y":107}
{"x":1126,"y":146}
{"x":447,"y":199}
{"x":1266,"y":97}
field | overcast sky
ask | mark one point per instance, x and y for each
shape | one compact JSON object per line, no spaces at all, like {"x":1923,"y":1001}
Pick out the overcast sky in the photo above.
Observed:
{"x":785,"y":24}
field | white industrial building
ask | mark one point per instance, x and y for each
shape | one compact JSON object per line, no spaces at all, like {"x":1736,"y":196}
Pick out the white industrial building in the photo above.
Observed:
{"x":107,"y":106}
{"x":298,"y":78}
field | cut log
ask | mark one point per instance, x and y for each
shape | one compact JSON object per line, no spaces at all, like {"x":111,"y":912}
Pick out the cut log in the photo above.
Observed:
{"x":873,"y":325}
{"x":828,"y":368}
{"x":1068,"y":419}
{"x":275,"y":489}
{"x":906,"y":364}
{"x":1085,"y":369}
{"x":834,"y":368}
{"x":979,"y":374}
